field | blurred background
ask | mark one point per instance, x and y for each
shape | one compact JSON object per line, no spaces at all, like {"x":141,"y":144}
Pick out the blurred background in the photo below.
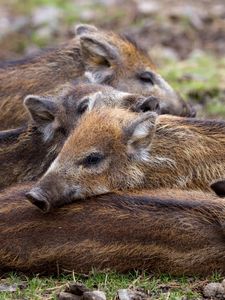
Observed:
{"x":185,"y":38}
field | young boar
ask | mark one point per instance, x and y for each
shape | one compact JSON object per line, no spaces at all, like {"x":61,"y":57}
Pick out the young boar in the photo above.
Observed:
{"x":95,"y":55}
{"x":131,"y":151}
{"x":177,"y":232}
{"x":26,"y":153}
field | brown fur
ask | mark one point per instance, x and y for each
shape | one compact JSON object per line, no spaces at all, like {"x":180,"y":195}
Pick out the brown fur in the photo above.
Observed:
{"x":26,"y":153}
{"x":101,"y":57}
{"x":27,"y":156}
{"x":177,"y":232}
{"x":134,"y":151}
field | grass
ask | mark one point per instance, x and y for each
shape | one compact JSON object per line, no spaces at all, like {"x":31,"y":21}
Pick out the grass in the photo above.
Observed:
{"x":197,"y":73}
{"x":162,"y":287}
{"x":200,"y":79}
{"x":71,"y":10}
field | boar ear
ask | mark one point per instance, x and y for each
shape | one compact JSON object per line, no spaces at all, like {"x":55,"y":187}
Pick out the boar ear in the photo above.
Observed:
{"x":90,"y":103}
{"x":219,"y":188}
{"x":138,"y":135}
{"x":98,"y":55}
{"x":81,"y":29}
{"x":42,"y":112}
{"x":41,"y":109}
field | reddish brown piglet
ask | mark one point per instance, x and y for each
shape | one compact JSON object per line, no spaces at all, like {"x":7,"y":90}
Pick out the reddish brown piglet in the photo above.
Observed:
{"x":93,"y":55}
{"x":171,"y":231}
{"x":27,"y":152}
{"x":115,"y":149}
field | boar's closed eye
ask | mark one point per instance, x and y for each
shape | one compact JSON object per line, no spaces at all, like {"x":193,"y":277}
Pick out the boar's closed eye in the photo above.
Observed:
{"x":92,"y":159}
{"x":147,"y":77}
{"x":83,"y":105}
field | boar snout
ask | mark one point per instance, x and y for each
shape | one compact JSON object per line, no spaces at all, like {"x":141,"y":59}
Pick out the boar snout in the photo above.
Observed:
{"x":192,"y":112}
{"x":187,"y":109}
{"x":38,"y":197}
{"x":148,"y":104}
{"x":50,"y":192}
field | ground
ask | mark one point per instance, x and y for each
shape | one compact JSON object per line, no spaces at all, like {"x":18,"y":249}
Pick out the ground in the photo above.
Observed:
{"x":186,"y":40}
{"x":162,"y":287}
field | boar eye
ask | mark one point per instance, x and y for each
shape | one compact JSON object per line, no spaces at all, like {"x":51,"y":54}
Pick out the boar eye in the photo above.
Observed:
{"x":147,"y":77}
{"x":92,"y":159}
{"x":62,"y":131}
{"x":82,"y":107}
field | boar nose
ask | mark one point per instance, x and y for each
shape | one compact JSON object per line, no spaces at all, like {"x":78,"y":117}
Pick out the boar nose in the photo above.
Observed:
{"x":149,"y":104}
{"x":39,"y":198}
{"x":191,"y":111}
{"x":187,"y":109}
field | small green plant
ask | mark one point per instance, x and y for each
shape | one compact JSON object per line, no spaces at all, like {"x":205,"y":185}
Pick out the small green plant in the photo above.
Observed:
{"x":157,"y":287}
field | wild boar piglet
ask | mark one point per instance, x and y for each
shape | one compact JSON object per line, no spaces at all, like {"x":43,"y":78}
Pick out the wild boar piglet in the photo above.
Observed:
{"x":29,"y":150}
{"x":115,"y":149}
{"x":161,"y":231}
{"x":94,"y":55}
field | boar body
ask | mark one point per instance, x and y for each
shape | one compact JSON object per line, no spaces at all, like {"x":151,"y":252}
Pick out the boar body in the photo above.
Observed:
{"x":172,"y":231}
{"x":27,"y":152}
{"x":130,"y":151}
{"x":94,"y":55}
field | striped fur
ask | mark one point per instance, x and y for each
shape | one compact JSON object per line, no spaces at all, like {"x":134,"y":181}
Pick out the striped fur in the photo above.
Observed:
{"x":172,"y":231}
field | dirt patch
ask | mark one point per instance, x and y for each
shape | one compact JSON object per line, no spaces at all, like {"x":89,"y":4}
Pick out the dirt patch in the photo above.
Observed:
{"x":181,"y":26}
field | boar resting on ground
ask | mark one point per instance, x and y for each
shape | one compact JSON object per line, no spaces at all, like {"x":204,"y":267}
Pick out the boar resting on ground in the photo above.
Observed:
{"x":95,"y":55}
{"x":26,"y":152}
{"x":151,"y":152}
{"x":171,"y":231}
